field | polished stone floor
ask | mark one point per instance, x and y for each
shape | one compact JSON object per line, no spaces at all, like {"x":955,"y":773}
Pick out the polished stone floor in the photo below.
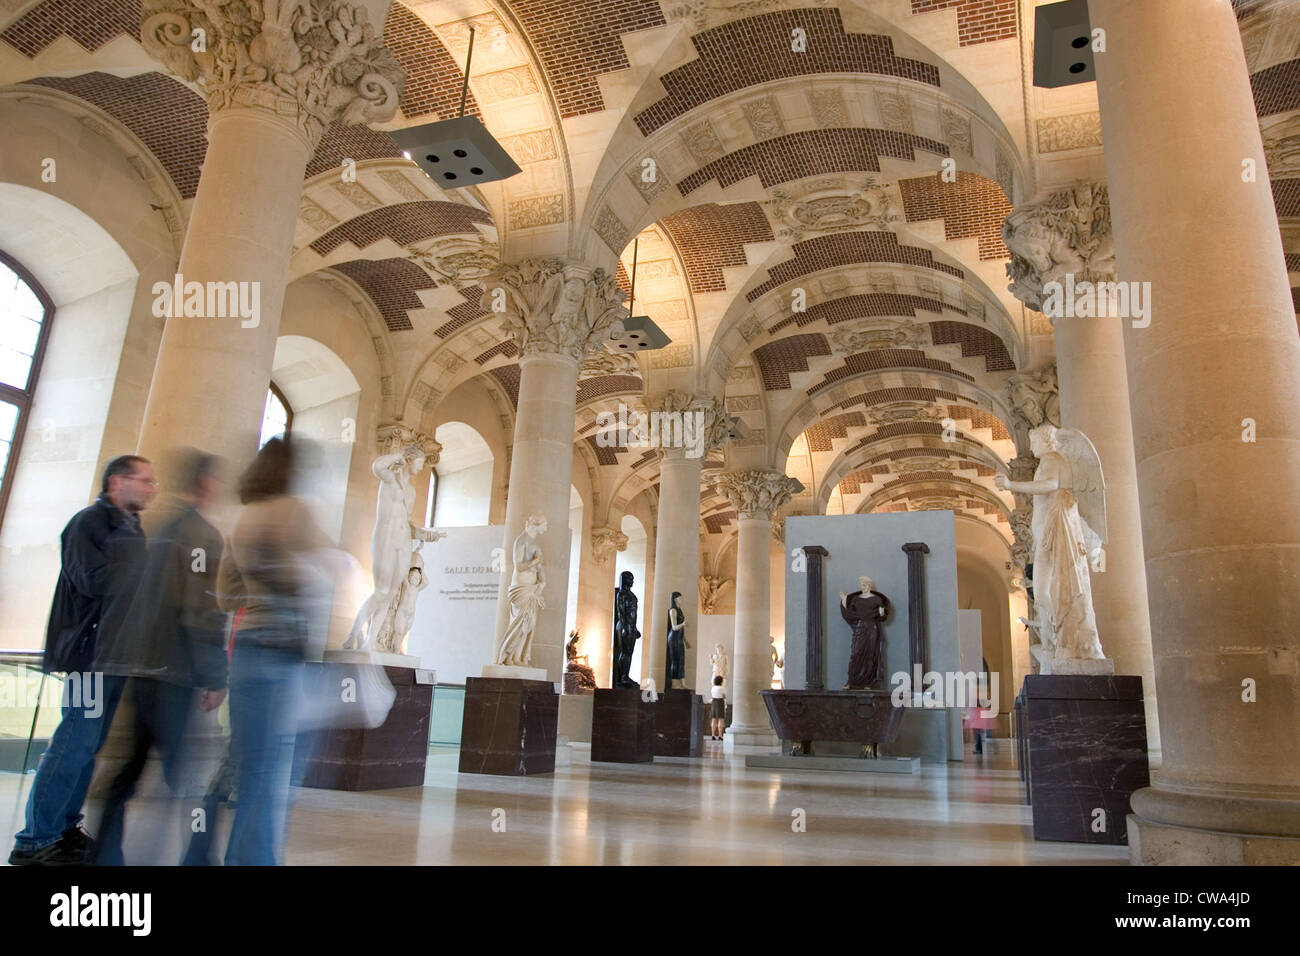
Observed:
{"x":675,"y":811}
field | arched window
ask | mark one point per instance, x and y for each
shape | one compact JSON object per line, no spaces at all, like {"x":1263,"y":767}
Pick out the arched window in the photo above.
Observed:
{"x":25,"y":313}
{"x":278,"y":417}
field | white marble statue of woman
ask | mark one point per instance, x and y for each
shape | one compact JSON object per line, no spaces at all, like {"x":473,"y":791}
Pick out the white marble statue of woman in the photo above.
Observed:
{"x":515,"y":648}
{"x":721,"y":666}
{"x":1069,"y":528}
{"x":390,"y":542}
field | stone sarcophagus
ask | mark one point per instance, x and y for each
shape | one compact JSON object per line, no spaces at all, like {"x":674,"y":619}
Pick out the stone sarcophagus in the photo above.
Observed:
{"x":865,"y":717}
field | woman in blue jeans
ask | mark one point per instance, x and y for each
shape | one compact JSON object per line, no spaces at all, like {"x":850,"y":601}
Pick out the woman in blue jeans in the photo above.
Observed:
{"x":265,"y":572}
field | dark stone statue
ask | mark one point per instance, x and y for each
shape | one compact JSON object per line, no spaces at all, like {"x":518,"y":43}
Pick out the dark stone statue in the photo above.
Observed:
{"x":676,"y":642}
{"x":625,"y":633}
{"x":866,"y":610}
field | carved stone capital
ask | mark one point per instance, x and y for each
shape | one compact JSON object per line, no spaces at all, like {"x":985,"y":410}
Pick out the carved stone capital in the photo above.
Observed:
{"x":757,"y":494}
{"x":1066,"y":234}
{"x":705,"y":422}
{"x":314,"y":60}
{"x":778,"y":529}
{"x":394,"y":436}
{"x":554,"y":306}
{"x":1035,"y":399}
{"x":1022,"y":549}
{"x":605,"y":541}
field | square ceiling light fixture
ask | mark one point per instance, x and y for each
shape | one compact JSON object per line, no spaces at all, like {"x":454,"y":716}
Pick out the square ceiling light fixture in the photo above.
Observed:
{"x":1063,"y":45}
{"x":457,"y":152}
{"x":639,"y":333}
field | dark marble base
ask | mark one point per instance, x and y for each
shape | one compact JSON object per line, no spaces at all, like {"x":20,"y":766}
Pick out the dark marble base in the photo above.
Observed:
{"x":679,"y":724}
{"x":1085,"y":742}
{"x":390,"y":755}
{"x":866,"y":717}
{"x":509,"y":726}
{"x":622,"y":727}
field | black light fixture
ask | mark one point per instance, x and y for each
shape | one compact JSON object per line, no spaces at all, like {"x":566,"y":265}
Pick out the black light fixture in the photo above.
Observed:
{"x":1063,"y":45}
{"x":639,"y":334}
{"x":457,"y":152}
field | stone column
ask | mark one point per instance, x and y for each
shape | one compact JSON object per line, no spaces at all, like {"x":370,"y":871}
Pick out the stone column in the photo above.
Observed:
{"x":273,"y":81}
{"x":555,"y":311}
{"x":596,"y":612}
{"x":1094,"y":398}
{"x":756,"y":496}
{"x":1220,"y":522}
{"x":677,"y":529}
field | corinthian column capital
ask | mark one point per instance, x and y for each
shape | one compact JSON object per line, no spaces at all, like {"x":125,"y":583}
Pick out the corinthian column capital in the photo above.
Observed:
{"x":705,"y":423}
{"x":313,"y":60}
{"x":605,"y":541}
{"x":1034,"y":397}
{"x":556,"y":306}
{"x":757,"y":494}
{"x":1068,"y":233}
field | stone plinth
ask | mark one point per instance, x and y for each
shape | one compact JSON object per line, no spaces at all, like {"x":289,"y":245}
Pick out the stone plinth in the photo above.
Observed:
{"x":575,"y":716}
{"x":1071,"y":666}
{"x":866,"y":717}
{"x":390,"y":755}
{"x":1086,"y":742}
{"x":622,"y":727}
{"x":513,"y":672}
{"x":509,"y":726}
{"x":679,"y":724}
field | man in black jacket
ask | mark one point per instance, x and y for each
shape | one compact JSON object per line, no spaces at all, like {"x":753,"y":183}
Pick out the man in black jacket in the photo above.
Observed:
{"x":103,"y":551}
{"x":175,"y":651}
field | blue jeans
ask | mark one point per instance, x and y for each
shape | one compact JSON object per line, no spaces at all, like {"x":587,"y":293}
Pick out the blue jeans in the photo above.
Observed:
{"x":264,"y":693}
{"x":63,"y":777}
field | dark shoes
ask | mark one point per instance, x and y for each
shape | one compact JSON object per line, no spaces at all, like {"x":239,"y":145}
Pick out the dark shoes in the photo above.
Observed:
{"x":74,"y":848}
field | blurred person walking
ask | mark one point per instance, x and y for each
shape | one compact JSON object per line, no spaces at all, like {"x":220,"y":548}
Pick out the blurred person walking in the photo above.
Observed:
{"x":266,"y":571}
{"x":174,"y":654}
{"x":103,"y":552}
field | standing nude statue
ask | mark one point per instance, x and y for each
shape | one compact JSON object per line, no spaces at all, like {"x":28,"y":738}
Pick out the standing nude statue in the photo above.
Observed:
{"x":515,"y":649}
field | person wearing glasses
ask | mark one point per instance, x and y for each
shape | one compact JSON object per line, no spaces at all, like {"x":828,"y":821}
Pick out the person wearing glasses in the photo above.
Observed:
{"x":103,"y":550}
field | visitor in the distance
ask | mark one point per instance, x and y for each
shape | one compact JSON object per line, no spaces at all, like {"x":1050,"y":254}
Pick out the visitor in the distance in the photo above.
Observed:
{"x":103,"y":553}
{"x":267,"y":571}
{"x":718,"y":709}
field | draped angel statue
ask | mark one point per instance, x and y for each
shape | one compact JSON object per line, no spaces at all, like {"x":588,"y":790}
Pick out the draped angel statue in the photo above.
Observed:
{"x":1069,"y":529}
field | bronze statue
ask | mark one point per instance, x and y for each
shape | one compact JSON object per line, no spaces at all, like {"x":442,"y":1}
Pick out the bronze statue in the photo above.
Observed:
{"x":579,"y":678}
{"x":676,"y":644}
{"x":625,"y":633}
{"x":866,"y":610}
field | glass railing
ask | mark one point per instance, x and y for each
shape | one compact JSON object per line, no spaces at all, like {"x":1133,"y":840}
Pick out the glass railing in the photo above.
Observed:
{"x":445,"y":720}
{"x":29,"y":709}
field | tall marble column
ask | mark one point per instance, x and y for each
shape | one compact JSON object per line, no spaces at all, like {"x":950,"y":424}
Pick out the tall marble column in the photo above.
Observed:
{"x":756,"y":496}
{"x":677,"y":534}
{"x":555,"y":310}
{"x":1094,"y":398}
{"x":274,"y":80}
{"x":1220,"y":522}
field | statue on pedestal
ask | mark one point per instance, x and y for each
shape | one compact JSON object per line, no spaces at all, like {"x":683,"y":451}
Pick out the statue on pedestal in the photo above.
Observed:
{"x":515,"y":649}
{"x":676,"y":676}
{"x":579,"y":678}
{"x":866,"y":610}
{"x":778,"y":667}
{"x":390,"y":549}
{"x":1068,"y":529}
{"x":721,"y":665}
{"x":626,"y":633}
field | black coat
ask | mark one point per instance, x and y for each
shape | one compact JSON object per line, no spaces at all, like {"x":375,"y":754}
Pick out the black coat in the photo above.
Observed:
{"x":103,"y":550}
{"x":177,"y":631}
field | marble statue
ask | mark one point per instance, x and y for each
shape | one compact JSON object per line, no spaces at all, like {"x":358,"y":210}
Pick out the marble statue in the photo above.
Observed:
{"x":525,"y":595}
{"x":676,"y":676}
{"x":625,"y":632}
{"x":865,"y":610}
{"x":721,"y":665}
{"x":392,"y":636}
{"x":778,"y":667}
{"x":1069,"y":527}
{"x":579,"y":678}
{"x":390,"y":548}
